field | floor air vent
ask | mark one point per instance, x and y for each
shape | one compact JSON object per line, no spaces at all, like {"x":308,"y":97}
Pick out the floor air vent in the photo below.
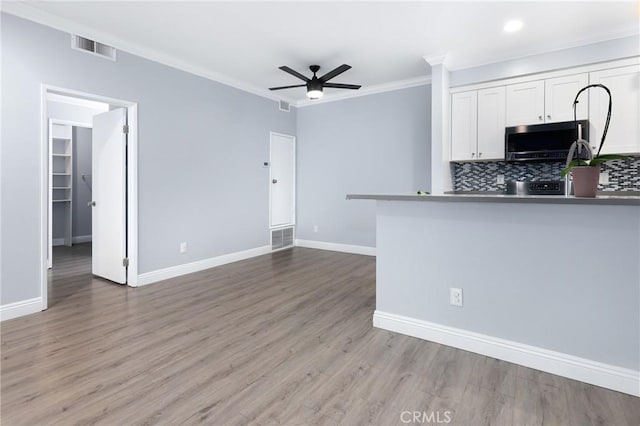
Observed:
{"x":281,"y":238}
{"x":93,"y":47}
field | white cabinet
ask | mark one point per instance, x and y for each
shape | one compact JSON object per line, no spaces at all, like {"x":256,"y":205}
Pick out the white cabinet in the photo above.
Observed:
{"x":477,"y":124}
{"x":525,"y":103}
{"x":464,"y":125}
{"x":623,"y":136}
{"x":559,"y":94}
{"x":546,"y":101}
{"x":491,"y":123}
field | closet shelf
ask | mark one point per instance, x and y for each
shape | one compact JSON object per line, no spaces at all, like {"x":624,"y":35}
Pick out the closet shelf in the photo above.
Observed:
{"x":61,"y":177}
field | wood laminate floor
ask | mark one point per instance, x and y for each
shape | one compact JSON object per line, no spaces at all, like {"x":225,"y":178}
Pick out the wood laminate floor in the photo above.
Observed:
{"x":283,"y":338}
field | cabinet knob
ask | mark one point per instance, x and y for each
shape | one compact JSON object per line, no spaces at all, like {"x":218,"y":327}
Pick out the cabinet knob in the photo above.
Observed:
{"x":548,"y":115}
{"x":274,"y":181}
{"x":473,"y":154}
{"x":479,"y":154}
{"x":91,"y":204}
{"x":539,"y":117}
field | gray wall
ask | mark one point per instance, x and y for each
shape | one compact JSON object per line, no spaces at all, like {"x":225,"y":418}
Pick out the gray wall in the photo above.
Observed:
{"x":201,"y":148}
{"x":81,"y":219}
{"x":597,"y":52}
{"x":372,"y":144}
{"x":560,"y":277}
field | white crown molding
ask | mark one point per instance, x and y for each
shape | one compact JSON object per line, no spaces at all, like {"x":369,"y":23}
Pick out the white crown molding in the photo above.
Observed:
{"x":40,"y":16}
{"x":586,"y":370}
{"x":32,"y":13}
{"x":437,"y":59}
{"x":85,"y":103}
{"x":369,"y":90}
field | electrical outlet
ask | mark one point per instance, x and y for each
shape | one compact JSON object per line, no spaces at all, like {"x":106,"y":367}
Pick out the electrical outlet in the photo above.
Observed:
{"x":500,"y":179}
{"x":455,"y":296}
{"x":183,"y":248}
{"x":315,"y":228}
{"x":604,"y":178}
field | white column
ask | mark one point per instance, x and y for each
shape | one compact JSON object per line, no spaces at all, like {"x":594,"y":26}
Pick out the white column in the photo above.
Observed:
{"x":441,"y":180}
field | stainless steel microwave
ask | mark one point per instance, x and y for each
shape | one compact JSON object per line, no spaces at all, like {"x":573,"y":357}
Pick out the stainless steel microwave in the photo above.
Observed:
{"x":543,"y":142}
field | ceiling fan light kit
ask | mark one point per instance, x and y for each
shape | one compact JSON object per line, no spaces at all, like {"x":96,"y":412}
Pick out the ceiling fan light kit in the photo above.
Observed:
{"x":315,"y":93}
{"x":315,"y":85}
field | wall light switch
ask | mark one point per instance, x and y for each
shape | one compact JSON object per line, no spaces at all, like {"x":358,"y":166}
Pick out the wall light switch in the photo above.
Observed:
{"x":183,"y":248}
{"x":455,"y":296}
{"x":604,"y":178}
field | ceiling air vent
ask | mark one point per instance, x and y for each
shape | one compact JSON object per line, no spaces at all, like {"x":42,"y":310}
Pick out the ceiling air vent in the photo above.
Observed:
{"x":281,"y":238}
{"x":93,"y":47}
{"x":285,"y":106}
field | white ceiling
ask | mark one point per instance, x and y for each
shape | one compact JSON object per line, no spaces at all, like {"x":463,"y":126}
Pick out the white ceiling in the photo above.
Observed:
{"x":243,"y":43}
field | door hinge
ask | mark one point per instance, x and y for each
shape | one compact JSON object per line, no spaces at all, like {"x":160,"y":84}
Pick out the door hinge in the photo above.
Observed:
{"x":125,"y":129}
{"x":125,"y":262}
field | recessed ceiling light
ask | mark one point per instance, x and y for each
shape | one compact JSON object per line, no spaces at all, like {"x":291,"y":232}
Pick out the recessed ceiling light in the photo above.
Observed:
{"x":513,"y":25}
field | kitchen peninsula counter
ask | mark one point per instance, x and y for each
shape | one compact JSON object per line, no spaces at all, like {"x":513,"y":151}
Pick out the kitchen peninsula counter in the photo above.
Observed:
{"x":549,"y":282}
{"x":617,"y":198}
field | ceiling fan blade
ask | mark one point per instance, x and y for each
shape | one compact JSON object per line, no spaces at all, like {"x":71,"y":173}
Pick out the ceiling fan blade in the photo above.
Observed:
{"x":342,"y":86}
{"x":328,"y":76}
{"x":294,"y":73}
{"x":286,"y":87}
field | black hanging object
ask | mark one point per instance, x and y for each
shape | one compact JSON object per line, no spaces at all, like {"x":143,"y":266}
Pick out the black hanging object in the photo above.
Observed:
{"x":606,"y":125}
{"x":316,"y":83}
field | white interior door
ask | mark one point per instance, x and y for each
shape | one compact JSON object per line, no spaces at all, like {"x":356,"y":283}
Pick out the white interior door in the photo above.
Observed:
{"x":109,"y":196}
{"x":282,"y":174}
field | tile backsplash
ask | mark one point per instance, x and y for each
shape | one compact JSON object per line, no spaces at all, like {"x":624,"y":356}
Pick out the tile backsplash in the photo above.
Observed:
{"x":624,"y":175}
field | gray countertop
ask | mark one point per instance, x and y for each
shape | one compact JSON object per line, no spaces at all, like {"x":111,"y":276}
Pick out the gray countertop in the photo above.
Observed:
{"x":617,"y":199}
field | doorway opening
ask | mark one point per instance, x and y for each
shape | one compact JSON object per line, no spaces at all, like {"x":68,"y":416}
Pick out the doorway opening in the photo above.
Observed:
{"x":89,"y":191}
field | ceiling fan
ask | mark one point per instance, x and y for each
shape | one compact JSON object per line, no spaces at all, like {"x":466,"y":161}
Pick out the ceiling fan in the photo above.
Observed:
{"x":315,"y":84}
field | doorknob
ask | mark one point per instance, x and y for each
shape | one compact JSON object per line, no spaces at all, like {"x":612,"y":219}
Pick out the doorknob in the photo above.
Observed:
{"x":274,"y":181}
{"x":91,"y":204}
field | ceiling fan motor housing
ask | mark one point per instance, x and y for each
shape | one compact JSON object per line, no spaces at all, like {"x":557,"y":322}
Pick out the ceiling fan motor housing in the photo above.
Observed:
{"x":314,"y":84}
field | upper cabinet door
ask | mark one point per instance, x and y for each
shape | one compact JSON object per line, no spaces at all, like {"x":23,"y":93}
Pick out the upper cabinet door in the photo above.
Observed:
{"x":525,"y":103}
{"x":623,"y":136}
{"x":559,"y":95}
{"x":491,"y":123}
{"x":464,"y":125}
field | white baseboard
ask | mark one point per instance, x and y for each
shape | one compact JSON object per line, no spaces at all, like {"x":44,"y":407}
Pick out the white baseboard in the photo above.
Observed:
{"x":75,"y":240}
{"x":188,"y":268}
{"x":593,"y":372}
{"x":21,"y":308}
{"x":79,"y":239}
{"x":345,"y":248}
